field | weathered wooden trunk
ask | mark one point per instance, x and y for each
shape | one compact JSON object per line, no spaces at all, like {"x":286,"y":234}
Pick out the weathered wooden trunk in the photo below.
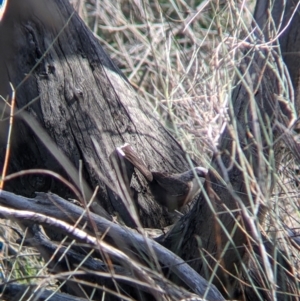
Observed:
{"x":74,"y":107}
{"x":70,"y":96}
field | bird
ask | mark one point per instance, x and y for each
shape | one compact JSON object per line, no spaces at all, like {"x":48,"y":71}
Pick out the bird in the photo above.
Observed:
{"x":172,"y":191}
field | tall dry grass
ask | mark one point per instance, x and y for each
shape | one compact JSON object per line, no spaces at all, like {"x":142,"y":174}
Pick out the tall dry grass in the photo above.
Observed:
{"x":181,"y":57}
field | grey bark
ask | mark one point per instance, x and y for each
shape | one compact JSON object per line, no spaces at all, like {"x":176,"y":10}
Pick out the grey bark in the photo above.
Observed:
{"x":43,"y":210}
{"x":71,"y":96}
{"x":13,"y":292}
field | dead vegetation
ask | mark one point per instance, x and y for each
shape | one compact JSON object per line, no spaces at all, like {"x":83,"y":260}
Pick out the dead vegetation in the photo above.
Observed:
{"x":184,"y":60}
